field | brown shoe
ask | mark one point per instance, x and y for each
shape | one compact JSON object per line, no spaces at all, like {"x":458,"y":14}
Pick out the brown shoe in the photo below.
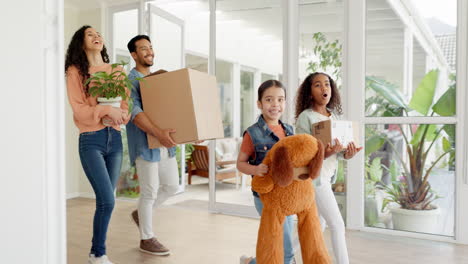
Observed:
{"x":135,"y":218}
{"x":152,"y":246}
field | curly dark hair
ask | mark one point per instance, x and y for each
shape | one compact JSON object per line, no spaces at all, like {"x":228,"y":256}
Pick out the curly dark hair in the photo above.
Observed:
{"x":76,"y":55}
{"x":304,"y":95}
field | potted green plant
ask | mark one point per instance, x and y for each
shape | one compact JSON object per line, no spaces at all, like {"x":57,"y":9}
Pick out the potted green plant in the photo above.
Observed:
{"x":328,"y":56}
{"x":110,"y":88}
{"x":412,"y":192}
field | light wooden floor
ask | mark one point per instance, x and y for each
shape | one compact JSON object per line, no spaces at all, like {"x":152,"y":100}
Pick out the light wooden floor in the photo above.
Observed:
{"x":197,"y":236}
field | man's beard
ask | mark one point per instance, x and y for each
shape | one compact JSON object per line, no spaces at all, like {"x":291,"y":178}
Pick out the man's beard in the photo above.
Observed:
{"x":144,"y":63}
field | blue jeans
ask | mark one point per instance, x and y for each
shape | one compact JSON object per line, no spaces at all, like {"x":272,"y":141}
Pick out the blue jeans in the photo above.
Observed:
{"x":101,"y":158}
{"x":287,"y":233}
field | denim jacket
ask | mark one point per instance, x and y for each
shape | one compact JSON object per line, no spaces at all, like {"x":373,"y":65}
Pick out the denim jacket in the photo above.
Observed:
{"x":263,"y":139}
{"x":137,"y":141}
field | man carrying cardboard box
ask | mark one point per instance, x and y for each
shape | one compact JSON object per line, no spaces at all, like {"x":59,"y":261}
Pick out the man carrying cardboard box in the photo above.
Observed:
{"x":156,"y":168}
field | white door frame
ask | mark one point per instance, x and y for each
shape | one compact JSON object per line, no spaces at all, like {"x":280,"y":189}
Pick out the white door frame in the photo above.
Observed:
{"x":290,"y":73}
{"x":109,"y":18}
{"x":152,"y":9}
{"x":213,"y":206}
{"x":461,"y":213}
{"x":54,"y":242}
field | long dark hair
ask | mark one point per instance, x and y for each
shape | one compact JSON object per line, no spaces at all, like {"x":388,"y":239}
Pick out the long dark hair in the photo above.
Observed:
{"x":268,"y":84}
{"x":76,"y":55}
{"x":304,"y":95}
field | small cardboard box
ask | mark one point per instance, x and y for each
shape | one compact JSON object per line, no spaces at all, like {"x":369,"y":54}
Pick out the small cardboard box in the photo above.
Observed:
{"x":344,"y":131}
{"x":185,"y":100}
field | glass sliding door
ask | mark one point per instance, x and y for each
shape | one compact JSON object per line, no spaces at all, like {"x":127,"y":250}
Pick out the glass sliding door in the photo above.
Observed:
{"x":123,"y":22}
{"x":320,"y":50}
{"x":247,"y":97}
{"x":180,"y":35}
{"x":249,"y":49}
{"x":167,"y":32}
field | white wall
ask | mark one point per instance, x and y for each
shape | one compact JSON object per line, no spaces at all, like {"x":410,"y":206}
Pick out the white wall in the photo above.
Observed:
{"x":27,"y":211}
{"x":76,"y":182}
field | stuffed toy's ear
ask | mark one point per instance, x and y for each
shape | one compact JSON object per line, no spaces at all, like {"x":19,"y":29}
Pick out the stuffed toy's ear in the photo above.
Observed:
{"x":281,"y":168}
{"x":316,"y":163}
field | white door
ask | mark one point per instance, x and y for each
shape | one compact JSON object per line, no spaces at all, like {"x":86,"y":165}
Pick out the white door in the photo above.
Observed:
{"x":167,"y":35}
{"x":166,"y":32}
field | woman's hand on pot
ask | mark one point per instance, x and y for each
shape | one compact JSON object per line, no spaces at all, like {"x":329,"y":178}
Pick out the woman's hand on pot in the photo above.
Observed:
{"x":106,"y":120}
{"x":125,"y":115}
{"x":116,"y":115}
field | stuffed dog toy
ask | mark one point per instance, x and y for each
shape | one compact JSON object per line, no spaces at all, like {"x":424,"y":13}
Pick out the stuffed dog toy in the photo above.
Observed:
{"x":287,"y":189}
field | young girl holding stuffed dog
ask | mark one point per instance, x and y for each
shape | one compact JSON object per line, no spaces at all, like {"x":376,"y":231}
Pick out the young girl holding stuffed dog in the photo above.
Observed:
{"x":258,"y":140}
{"x":318,"y":100}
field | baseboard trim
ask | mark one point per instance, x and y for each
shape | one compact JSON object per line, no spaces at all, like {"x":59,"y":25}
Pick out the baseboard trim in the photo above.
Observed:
{"x":87,"y":195}
{"x":80,"y":194}
{"x":73,"y":195}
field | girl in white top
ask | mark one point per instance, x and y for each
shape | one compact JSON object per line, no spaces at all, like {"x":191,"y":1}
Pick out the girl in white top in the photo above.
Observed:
{"x":317,"y":100}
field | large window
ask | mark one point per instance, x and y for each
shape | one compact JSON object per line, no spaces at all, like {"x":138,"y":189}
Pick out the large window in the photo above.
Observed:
{"x":410,"y":178}
{"x":410,"y":81}
{"x":401,"y":51}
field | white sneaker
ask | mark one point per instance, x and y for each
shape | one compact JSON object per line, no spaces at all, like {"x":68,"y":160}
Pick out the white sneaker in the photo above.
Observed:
{"x":98,"y":260}
{"x":245,"y":260}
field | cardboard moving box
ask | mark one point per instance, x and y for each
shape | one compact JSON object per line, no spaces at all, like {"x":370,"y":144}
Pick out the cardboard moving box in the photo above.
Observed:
{"x":344,"y":131}
{"x":185,"y":100}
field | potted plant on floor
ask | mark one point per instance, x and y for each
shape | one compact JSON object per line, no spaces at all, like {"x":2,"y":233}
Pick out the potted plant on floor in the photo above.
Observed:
{"x":111,"y":88}
{"x":412,"y":192}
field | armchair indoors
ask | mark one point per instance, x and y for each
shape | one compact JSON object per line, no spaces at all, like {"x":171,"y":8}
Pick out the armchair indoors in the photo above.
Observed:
{"x":226,"y":156}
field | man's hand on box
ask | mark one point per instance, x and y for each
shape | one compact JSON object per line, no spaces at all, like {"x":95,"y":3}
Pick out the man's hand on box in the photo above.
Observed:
{"x":351,"y":150}
{"x":330,"y":150}
{"x":164,"y":136}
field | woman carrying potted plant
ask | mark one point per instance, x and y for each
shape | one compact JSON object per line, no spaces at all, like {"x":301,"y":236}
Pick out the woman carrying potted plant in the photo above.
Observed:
{"x":100,"y":146}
